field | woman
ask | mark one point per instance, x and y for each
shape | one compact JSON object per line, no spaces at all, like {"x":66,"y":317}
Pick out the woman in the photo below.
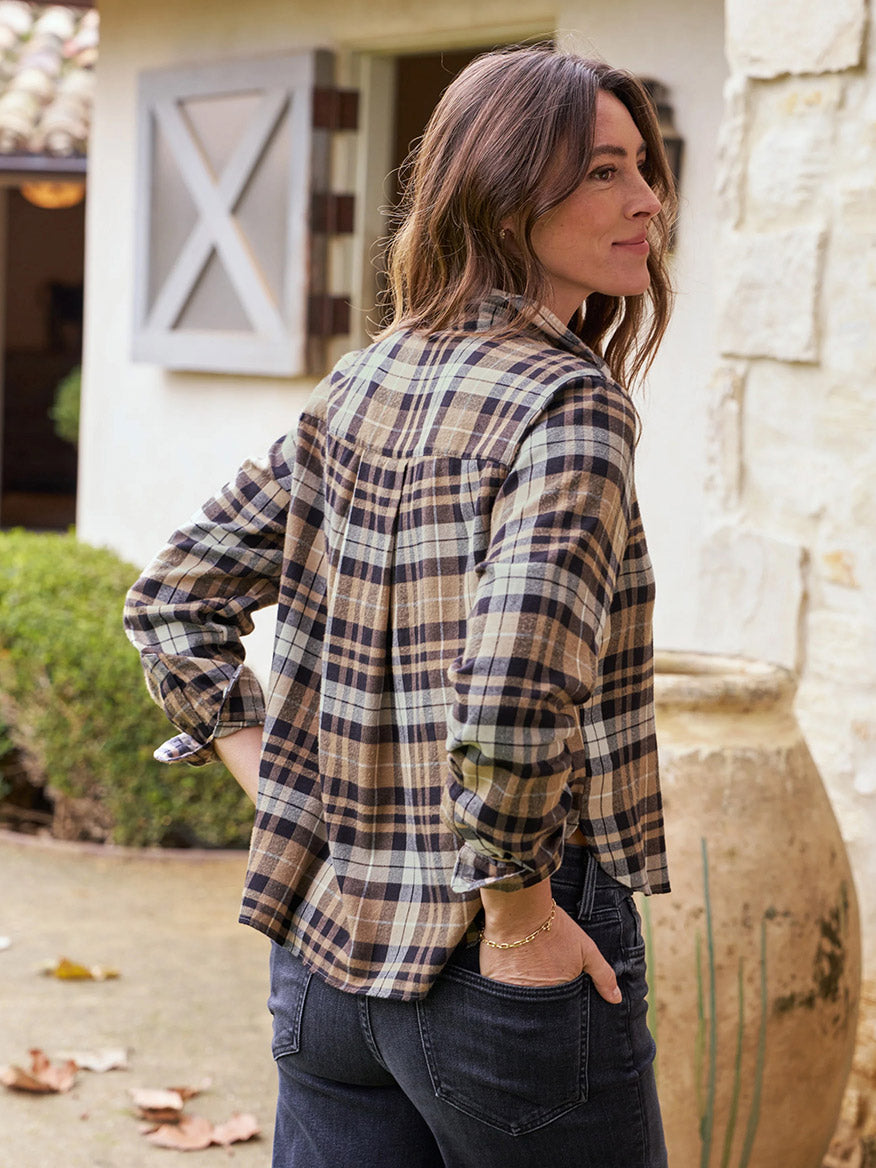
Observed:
{"x":455,"y":772}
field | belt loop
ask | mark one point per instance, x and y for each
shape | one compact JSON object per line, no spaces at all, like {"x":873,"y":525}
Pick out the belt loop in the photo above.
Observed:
{"x":588,"y":892}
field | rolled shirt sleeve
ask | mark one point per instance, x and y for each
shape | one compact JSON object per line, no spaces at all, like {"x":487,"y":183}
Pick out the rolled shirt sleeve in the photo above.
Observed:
{"x":534,"y":635}
{"x":194,"y":602}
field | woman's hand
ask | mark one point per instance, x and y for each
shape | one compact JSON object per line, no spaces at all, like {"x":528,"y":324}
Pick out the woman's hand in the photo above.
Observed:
{"x":555,"y":956}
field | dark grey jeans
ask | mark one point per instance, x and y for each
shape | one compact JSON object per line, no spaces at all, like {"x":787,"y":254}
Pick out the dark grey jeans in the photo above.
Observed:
{"x":478,"y":1073}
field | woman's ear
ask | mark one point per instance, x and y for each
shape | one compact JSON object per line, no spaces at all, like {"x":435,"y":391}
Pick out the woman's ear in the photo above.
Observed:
{"x":506,"y":233}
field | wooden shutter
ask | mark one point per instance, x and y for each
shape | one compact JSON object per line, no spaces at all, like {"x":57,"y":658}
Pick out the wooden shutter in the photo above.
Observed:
{"x":234,"y":213}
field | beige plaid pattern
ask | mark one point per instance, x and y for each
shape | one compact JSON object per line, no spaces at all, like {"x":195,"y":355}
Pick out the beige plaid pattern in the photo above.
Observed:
{"x":463,"y":659}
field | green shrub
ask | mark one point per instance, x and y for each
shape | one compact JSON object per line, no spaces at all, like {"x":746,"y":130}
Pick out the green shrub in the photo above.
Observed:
{"x":64,"y":411}
{"x":76,"y":703}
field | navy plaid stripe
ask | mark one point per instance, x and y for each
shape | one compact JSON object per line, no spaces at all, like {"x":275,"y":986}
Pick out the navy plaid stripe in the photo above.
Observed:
{"x":463,"y":658}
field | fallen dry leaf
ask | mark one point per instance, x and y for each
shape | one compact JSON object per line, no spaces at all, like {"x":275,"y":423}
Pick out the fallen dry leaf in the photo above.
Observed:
{"x":67,"y":970}
{"x":42,"y":1078}
{"x":191,"y":1134}
{"x":164,"y":1104}
{"x":235,"y":1130}
{"x":99,"y":1061}
{"x":160,"y":1105}
{"x":168,"y":1127}
{"x":190,"y":1092}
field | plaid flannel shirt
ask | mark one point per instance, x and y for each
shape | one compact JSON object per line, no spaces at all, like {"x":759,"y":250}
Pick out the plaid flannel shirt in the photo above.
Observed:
{"x":462,"y":669}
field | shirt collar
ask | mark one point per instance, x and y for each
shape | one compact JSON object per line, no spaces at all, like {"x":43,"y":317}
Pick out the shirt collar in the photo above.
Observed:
{"x":498,"y":307}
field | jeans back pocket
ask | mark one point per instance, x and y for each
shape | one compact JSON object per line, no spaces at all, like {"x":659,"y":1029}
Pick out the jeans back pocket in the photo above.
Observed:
{"x":289,"y":981}
{"x":513,"y":1057}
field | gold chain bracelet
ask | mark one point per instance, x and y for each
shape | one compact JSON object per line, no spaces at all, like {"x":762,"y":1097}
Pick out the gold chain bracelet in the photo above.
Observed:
{"x":545,"y":928}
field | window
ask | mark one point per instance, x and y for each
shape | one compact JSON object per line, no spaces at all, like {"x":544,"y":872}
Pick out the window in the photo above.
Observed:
{"x":233,"y":214}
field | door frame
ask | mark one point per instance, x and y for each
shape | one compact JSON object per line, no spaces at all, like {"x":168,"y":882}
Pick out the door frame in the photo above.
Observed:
{"x":371,"y":69}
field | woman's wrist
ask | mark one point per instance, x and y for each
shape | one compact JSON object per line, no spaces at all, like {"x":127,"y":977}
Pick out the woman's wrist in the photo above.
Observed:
{"x":508,"y":916}
{"x":544,"y":927}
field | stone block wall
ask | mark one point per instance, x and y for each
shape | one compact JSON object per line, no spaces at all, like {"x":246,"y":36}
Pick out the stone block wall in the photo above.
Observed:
{"x":789,"y":570}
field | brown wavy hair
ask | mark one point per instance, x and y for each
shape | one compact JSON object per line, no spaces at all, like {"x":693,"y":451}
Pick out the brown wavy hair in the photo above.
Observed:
{"x":489,"y":153}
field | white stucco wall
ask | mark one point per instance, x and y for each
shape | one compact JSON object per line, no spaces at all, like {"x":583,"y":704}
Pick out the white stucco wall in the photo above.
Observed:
{"x":685,"y":49}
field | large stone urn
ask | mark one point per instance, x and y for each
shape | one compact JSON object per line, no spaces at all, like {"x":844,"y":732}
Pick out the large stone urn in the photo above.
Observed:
{"x":755,"y":954}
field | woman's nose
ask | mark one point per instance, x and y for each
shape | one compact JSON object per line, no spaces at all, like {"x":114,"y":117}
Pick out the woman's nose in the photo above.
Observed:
{"x":646,"y":202}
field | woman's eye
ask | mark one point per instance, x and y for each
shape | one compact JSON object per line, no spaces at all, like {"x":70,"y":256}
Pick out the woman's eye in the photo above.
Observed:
{"x":603,"y":174}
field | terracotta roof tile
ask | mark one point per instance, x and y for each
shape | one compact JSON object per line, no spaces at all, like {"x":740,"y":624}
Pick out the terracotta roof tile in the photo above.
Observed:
{"x":47,"y":57}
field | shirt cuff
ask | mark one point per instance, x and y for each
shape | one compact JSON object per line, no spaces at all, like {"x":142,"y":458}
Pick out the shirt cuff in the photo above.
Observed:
{"x":184,"y":748}
{"x":242,"y":705}
{"x":474,"y":870}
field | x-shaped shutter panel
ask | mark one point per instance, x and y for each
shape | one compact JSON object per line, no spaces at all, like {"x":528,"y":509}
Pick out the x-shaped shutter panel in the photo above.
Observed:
{"x":232,"y":216}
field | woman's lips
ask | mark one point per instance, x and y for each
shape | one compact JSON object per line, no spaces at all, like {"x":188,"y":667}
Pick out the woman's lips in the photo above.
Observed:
{"x":639,"y":245}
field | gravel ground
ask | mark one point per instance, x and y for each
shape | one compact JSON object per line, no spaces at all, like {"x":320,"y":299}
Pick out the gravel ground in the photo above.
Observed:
{"x":189,"y":1004}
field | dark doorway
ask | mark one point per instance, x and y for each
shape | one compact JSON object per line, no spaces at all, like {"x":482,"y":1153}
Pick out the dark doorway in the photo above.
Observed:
{"x":43,"y":343}
{"x":420,"y":79}
{"x":419,"y":82}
